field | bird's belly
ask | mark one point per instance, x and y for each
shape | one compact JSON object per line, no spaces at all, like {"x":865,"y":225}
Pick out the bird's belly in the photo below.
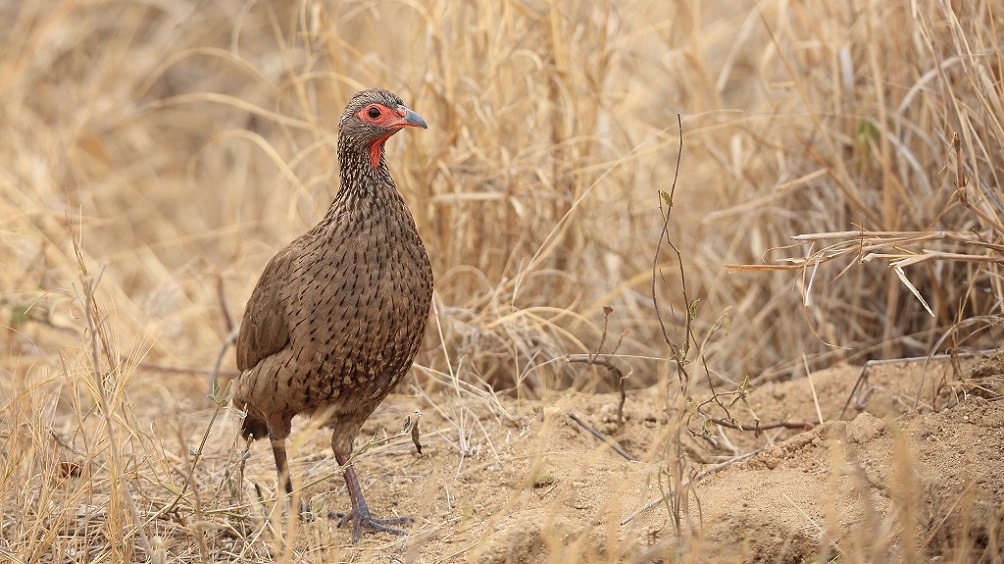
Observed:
{"x":360,"y":338}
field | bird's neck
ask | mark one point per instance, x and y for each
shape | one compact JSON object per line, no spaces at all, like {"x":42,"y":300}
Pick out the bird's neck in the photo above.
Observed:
{"x":360,"y":180}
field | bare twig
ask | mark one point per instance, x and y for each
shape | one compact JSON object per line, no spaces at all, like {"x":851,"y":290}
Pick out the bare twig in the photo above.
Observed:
{"x":228,"y":321}
{"x":961,"y":182}
{"x":182,"y":369}
{"x":716,"y":398}
{"x":607,"y":440}
{"x":804,"y":425}
{"x":679,"y":353}
{"x":594,"y":360}
{"x":214,"y":376}
{"x":617,"y":373}
{"x":678,"y":493}
{"x":607,"y":310}
{"x":232,"y":331}
{"x":871,"y":363}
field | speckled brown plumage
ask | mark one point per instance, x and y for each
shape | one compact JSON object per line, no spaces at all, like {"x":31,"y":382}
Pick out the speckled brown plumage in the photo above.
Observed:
{"x":338,"y":314}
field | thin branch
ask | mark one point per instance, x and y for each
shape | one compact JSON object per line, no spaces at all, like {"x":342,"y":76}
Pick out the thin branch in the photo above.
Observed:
{"x":228,"y":321}
{"x":803,"y":425}
{"x":606,"y":440}
{"x":678,"y":355}
{"x":866,"y":369}
{"x":182,"y":369}
{"x":961,"y":182}
{"x":617,"y":373}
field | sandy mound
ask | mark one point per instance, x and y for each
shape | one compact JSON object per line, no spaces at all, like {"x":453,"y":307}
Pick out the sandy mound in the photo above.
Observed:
{"x":523,"y":481}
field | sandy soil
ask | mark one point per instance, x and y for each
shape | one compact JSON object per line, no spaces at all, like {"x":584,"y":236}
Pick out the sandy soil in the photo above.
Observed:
{"x":517,"y":480}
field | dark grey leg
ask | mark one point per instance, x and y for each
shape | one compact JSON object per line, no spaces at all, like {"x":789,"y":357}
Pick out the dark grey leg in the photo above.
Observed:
{"x":362,"y":520}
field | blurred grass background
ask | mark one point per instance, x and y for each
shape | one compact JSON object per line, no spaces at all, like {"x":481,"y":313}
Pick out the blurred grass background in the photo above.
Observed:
{"x":183,"y":143}
{"x":186,"y":142}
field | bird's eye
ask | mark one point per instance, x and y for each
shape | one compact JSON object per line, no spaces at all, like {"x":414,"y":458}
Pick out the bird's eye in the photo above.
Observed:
{"x":374,"y":112}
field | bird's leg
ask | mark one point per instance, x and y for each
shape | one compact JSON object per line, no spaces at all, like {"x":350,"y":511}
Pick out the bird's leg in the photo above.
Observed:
{"x":279,"y":452}
{"x":362,"y":520}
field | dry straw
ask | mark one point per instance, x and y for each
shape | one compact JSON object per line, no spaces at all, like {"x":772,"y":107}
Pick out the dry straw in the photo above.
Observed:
{"x":177,"y":145}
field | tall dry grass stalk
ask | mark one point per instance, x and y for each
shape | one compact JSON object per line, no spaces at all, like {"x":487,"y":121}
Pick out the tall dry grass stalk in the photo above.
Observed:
{"x":185,"y":141}
{"x":884,"y":93}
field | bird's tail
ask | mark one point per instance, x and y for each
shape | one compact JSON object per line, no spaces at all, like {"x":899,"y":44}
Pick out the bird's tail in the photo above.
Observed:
{"x":253,"y":426}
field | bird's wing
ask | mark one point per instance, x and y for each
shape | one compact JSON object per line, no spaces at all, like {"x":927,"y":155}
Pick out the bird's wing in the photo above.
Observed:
{"x":264,"y":330}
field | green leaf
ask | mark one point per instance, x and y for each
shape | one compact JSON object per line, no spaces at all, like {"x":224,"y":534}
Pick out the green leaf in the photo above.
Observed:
{"x":867,"y":134}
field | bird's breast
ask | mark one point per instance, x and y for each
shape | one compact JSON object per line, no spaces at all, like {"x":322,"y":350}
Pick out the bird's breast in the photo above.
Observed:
{"x":363,"y":305}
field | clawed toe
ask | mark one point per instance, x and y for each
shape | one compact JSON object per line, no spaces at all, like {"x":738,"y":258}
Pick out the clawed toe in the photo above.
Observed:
{"x":306,"y":513}
{"x":368,"y":524}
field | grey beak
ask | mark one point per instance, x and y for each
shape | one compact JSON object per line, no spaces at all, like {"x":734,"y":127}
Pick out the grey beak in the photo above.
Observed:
{"x":411,"y":118}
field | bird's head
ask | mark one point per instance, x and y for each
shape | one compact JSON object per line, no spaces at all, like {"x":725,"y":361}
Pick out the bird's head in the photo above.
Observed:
{"x":371,"y":117}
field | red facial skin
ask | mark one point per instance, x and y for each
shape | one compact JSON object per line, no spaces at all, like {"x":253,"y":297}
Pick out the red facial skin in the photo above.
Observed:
{"x":391,"y":119}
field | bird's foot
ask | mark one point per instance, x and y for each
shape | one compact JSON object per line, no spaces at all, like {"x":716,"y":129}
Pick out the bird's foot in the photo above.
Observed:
{"x":363,"y":522}
{"x":306,"y":513}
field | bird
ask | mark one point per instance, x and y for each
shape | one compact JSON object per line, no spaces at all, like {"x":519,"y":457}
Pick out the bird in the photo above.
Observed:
{"x":338,"y":315}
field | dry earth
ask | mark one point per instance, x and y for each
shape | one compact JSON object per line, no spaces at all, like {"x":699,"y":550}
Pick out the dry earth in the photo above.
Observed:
{"x":519,"y":480}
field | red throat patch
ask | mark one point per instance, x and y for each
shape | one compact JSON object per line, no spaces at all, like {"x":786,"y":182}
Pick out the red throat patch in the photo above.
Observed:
{"x":375,"y":149}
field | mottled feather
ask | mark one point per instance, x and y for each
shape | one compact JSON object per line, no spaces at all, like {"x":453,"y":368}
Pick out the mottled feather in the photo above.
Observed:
{"x":267,"y":331}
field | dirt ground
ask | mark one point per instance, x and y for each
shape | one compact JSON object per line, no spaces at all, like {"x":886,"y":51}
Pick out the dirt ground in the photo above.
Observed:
{"x":517,"y":480}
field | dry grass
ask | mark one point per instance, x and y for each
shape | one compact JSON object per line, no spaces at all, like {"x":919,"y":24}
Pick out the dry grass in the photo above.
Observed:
{"x":181,"y":143}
